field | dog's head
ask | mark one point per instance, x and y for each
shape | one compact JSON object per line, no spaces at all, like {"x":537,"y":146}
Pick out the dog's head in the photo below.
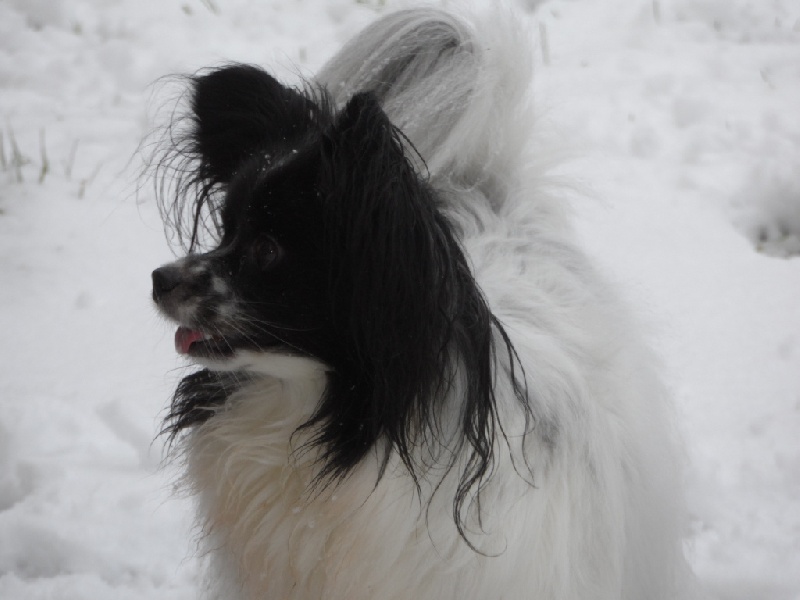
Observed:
{"x":325,"y":237}
{"x":330,"y":247}
{"x":257,"y":149}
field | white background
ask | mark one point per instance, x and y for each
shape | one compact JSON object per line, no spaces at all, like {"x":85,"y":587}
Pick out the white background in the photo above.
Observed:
{"x":678,"y":121}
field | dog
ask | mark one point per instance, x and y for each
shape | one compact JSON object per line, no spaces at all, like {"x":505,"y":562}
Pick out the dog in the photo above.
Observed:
{"x":413,"y":382}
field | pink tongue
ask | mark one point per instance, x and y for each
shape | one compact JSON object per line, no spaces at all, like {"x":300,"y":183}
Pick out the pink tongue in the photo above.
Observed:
{"x":185,"y":337}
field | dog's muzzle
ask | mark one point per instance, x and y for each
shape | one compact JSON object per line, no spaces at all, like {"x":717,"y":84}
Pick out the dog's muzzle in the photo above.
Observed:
{"x":165,"y":279}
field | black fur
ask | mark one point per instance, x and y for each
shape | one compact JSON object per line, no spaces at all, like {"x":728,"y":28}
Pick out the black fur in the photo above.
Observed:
{"x":361,"y":270}
{"x":197,"y":398}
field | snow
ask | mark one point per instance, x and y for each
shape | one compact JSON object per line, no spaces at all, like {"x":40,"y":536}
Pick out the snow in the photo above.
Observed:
{"x":682,"y":120}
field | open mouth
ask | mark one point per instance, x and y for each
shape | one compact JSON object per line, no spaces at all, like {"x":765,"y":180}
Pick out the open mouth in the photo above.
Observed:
{"x":195,"y":342}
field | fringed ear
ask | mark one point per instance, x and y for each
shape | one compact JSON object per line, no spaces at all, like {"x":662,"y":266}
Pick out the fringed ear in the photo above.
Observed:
{"x":240,"y":110}
{"x":236,"y":113}
{"x":385,"y":244}
{"x":409,"y":315}
{"x":391,"y":250}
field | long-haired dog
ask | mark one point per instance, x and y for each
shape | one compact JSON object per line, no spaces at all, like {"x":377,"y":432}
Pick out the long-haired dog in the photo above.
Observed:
{"x":413,"y":383}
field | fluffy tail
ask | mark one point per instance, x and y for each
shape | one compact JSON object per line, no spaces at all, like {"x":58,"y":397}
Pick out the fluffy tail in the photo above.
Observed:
{"x":457,"y":89}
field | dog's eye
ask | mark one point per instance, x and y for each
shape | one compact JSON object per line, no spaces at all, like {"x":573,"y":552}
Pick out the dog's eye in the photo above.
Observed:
{"x":266,"y":252}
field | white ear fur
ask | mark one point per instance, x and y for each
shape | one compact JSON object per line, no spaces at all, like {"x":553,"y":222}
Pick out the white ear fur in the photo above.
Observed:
{"x":468,"y":75}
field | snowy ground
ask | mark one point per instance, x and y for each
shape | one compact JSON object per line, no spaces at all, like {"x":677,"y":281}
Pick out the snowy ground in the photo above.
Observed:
{"x":683,"y":118}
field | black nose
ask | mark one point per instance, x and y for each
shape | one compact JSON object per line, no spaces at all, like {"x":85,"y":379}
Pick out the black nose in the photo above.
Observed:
{"x":165,"y":279}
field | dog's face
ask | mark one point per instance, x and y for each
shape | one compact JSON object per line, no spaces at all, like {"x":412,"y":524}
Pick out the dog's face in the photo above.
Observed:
{"x":257,"y":149}
{"x":328,"y":244}
{"x":263,"y":287}
{"x":299,"y":195}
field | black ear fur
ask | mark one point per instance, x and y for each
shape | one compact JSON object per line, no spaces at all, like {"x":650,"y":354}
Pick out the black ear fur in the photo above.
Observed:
{"x":403,"y":297}
{"x":240,"y":110}
{"x":381,"y":225}
{"x":236,"y":113}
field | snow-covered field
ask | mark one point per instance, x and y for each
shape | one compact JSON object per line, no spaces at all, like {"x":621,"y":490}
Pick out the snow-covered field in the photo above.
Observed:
{"x":682,"y":120}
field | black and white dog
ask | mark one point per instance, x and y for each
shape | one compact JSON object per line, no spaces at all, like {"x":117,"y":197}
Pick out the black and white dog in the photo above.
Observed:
{"x":413,"y":383}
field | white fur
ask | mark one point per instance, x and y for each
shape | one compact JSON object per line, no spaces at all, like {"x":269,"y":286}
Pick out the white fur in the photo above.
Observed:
{"x":272,"y":364}
{"x":601,"y":520}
